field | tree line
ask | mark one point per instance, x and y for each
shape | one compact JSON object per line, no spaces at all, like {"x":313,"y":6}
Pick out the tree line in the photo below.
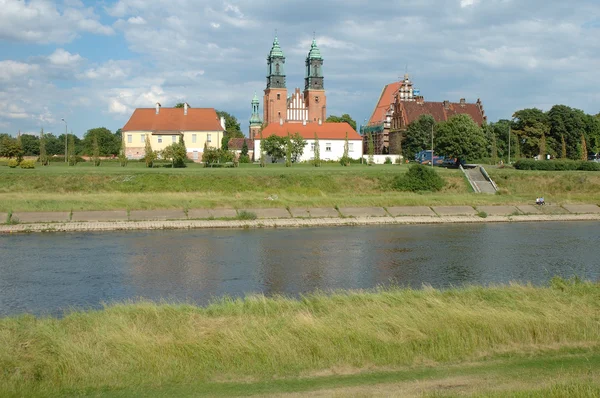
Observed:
{"x":562,"y":132}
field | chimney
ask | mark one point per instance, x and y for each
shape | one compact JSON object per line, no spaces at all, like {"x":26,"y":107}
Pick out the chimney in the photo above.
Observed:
{"x":462,"y":102}
{"x":185,"y":108}
{"x":281,"y":121}
{"x":320,"y":122}
{"x":419,"y":99}
{"x":158,"y":108}
{"x":223,"y":122}
{"x":446,"y":104}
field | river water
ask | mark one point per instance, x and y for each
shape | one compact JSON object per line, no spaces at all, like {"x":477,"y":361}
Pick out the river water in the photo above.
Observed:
{"x":46,"y":274}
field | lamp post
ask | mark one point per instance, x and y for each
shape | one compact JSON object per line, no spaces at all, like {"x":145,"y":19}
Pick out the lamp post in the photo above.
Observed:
{"x":509,"y":132}
{"x":65,"y":139}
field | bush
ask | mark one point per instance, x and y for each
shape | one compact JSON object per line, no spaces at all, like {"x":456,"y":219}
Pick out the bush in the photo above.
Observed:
{"x":388,"y":160}
{"x":246,"y":215}
{"x":556,"y":165}
{"x":244,"y":159}
{"x":12,"y":163}
{"x":419,"y":178}
{"x":27,"y":164}
{"x":61,"y":159}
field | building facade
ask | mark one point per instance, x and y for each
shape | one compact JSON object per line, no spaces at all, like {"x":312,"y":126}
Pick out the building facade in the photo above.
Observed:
{"x":165,"y":126}
{"x":401,"y":104}
{"x":331,"y":136}
{"x":308,"y":106}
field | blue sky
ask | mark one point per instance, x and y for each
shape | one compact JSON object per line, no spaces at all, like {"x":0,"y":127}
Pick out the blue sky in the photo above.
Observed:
{"x":93,"y":62}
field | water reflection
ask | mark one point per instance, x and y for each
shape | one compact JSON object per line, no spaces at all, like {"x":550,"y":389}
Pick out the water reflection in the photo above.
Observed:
{"x":50,"y":273}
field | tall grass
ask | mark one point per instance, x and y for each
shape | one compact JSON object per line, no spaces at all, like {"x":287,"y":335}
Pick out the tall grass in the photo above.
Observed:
{"x":260,"y":338}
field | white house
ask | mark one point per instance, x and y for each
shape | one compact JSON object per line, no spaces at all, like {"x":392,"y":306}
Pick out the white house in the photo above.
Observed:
{"x":165,"y":126}
{"x":332,"y":137}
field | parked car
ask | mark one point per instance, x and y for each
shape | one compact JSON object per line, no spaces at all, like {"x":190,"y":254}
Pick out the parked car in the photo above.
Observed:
{"x":424,"y":157}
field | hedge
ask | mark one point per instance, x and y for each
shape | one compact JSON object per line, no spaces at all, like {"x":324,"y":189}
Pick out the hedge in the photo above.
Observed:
{"x":556,"y":165}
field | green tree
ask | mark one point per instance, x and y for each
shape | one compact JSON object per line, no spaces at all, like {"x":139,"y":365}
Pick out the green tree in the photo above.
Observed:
{"x":418,"y":136}
{"x":341,"y":119}
{"x":317,"y":157}
{"x":274,"y":146}
{"x":563,"y":144}
{"x":584,"y":151}
{"x":54,"y":145}
{"x":10,"y":148}
{"x":298,"y":145}
{"x":542,"y":155}
{"x":149,"y":154}
{"x":370,"y":149}
{"x":122,"y":155}
{"x":95,"y":151}
{"x":179,"y":105}
{"x":30,"y":145}
{"x":494,"y":150}
{"x":345,"y":159}
{"x":43,"y":155}
{"x":109,"y":144}
{"x":460,"y":137}
{"x":530,"y":125}
{"x":232,"y":128}
{"x":244,"y":149}
{"x":72,"y":151}
{"x":288,"y":151}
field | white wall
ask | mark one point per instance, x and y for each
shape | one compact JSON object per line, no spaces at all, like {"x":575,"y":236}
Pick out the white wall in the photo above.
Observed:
{"x":337,"y":149}
{"x":380,"y":159}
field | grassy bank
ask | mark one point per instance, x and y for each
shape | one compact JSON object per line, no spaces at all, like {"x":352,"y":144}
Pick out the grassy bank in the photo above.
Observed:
{"x":341,"y":341}
{"x":61,"y":188}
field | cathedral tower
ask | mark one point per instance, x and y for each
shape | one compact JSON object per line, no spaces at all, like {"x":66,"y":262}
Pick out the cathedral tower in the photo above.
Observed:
{"x":255,"y":122}
{"x":314,"y":91}
{"x":275,"y":99}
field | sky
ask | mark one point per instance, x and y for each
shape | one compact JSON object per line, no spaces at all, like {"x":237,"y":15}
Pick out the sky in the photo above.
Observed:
{"x":92,"y":63}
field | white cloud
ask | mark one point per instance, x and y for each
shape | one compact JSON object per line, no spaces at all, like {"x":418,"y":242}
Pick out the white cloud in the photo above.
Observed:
{"x":39,"y":21}
{"x":13,"y":69}
{"x":111,"y":70}
{"x":61,"y":57}
{"x":467,"y":3}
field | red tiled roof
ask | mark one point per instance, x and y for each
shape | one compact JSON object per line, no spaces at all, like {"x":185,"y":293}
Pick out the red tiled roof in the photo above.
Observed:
{"x":238,"y":143}
{"x":173,"y":119}
{"x":385,"y":100}
{"x":412,"y":110}
{"x":326,"y":131}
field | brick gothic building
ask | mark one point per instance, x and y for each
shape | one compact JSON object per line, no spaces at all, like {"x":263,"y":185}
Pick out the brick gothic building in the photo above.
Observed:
{"x":400,"y":104}
{"x":309,"y":106}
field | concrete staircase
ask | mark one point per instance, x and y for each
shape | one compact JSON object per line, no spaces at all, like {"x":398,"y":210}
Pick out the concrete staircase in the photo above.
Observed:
{"x":480,"y":182}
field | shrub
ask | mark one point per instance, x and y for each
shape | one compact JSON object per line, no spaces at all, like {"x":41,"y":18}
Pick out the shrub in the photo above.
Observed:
{"x":12,"y":163}
{"x":419,"y":178}
{"x":388,"y":160}
{"x":244,"y":159}
{"x":61,"y":159}
{"x":27,"y":164}
{"x":246,"y":215}
{"x":556,"y":165}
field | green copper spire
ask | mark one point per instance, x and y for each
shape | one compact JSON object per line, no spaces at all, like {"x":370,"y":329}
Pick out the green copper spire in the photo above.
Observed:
{"x":255,"y":118}
{"x":314,"y":52}
{"x":276,"y":50}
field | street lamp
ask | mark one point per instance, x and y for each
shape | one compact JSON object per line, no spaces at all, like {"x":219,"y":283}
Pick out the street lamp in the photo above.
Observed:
{"x":65,"y":139}
{"x":509,"y":132}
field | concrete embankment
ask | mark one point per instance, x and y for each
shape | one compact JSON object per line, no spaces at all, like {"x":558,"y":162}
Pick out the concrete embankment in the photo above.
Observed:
{"x":290,"y":218}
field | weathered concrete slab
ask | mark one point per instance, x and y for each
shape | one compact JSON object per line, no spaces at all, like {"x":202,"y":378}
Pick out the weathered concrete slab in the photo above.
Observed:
{"x":142,"y":215}
{"x":41,"y":217}
{"x":300,"y":212}
{"x":499,"y":210}
{"x":410,"y":211}
{"x":211,"y":213}
{"x":110,"y":215}
{"x":269,"y":213}
{"x":530,"y":209}
{"x":580,"y":209}
{"x":3,"y":217}
{"x":314,"y":212}
{"x":363,"y":212}
{"x":554,"y":209}
{"x":454,"y":210}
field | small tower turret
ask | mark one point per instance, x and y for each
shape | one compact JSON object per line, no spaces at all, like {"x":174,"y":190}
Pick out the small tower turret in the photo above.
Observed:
{"x":314,"y":90}
{"x":255,"y":122}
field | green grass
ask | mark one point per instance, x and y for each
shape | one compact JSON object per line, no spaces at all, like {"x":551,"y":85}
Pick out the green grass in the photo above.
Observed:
{"x":343,"y":340}
{"x":84,"y":187}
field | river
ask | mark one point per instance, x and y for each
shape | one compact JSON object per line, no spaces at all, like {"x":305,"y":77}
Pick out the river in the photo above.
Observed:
{"x":46,"y":274}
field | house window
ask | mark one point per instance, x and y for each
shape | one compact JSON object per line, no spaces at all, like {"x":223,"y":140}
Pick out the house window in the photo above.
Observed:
{"x":209,"y":138}
{"x":193,"y":138}
{"x":143,"y":138}
{"x":174,"y":139}
{"x":129,"y":138}
{"x":312,"y":146}
{"x":350,"y":147}
{"x":328,"y":147}
{"x":159,"y":139}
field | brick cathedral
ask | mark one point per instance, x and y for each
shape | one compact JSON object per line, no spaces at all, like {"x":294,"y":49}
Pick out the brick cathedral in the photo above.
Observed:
{"x":309,"y":106}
